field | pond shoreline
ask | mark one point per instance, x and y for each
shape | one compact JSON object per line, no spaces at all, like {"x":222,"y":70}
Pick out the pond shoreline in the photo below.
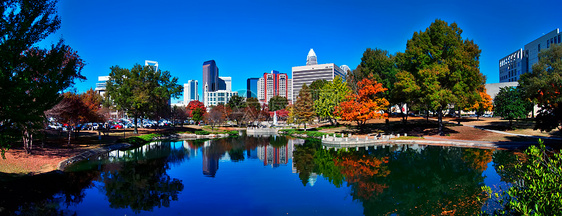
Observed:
{"x":121,"y":146}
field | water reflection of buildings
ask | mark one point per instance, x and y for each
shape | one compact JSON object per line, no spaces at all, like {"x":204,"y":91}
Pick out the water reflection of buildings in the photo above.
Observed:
{"x":275,"y":156}
{"x":294,"y":142}
{"x":210,"y":160}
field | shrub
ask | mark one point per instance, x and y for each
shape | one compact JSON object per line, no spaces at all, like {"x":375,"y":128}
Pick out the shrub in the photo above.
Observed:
{"x":537,"y":189}
{"x":202,"y":132}
{"x":140,"y":140}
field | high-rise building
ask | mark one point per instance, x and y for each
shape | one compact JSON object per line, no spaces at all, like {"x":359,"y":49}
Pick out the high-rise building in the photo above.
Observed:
{"x":225,"y":83}
{"x":252,"y":88}
{"x":313,"y":71}
{"x":216,"y":90}
{"x":210,"y":76}
{"x":274,"y":84}
{"x":521,"y":61}
{"x":190,"y":92}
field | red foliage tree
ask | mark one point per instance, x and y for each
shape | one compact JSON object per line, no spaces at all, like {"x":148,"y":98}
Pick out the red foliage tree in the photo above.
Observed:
{"x":193,"y":105}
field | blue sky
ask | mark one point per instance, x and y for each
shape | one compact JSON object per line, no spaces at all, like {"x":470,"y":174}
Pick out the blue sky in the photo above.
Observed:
{"x":249,"y":38}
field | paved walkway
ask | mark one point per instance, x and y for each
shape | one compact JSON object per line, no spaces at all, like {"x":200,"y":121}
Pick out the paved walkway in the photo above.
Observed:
{"x":442,"y":141}
{"x":514,"y":134}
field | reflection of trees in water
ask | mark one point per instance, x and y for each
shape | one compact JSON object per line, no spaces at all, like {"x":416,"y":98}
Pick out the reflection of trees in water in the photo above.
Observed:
{"x":397,"y":179}
{"x":504,"y":163}
{"x":144,"y":184}
{"x":303,"y":159}
{"x":44,"y":194}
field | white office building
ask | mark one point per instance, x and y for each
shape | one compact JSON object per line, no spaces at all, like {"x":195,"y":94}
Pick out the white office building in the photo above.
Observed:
{"x":190,"y":91}
{"x":313,"y":71}
{"x":521,"y":61}
{"x":219,"y":97}
{"x":511,"y":66}
{"x":101,"y":85}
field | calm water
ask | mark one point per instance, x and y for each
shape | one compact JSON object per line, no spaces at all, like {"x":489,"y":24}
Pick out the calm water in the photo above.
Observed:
{"x":264,"y":176}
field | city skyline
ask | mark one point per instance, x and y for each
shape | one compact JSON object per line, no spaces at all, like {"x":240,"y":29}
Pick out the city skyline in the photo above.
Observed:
{"x":247,"y":39}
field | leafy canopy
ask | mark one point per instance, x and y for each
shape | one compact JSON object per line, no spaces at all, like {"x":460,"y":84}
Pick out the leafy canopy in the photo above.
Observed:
{"x":31,"y":79}
{"x":366,"y":104}
{"x":510,"y":104}
{"x":331,"y":94}
{"x":543,"y":86}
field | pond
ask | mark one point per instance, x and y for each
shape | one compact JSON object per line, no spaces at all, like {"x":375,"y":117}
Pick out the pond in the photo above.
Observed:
{"x":265,"y":176}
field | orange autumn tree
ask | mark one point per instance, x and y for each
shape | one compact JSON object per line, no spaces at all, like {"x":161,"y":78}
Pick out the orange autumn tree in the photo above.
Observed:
{"x":483,"y":104}
{"x":363,"y":105}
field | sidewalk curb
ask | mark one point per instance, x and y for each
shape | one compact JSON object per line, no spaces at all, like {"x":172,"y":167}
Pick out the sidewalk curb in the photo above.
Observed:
{"x":84,"y":155}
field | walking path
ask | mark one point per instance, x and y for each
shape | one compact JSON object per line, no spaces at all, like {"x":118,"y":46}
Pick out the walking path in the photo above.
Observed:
{"x":350,"y":141}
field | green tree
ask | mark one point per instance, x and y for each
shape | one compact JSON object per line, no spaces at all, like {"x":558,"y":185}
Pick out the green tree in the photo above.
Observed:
{"x":31,"y":78}
{"x":277,"y":103}
{"x":379,"y":65}
{"x":237,"y":106}
{"x":141,"y":90}
{"x":544,"y":85}
{"x":331,"y":95}
{"x":198,"y":114}
{"x":316,"y":87}
{"x":406,"y":91}
{"x":304,"y":106}
{"x":445,"y":66}
{"x":510,"y":104}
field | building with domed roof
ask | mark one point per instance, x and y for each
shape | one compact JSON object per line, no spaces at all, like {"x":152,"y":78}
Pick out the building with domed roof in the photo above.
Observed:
{"x":313,"y":71}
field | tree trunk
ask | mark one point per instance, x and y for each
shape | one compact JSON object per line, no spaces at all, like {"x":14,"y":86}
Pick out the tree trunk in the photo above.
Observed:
{"x":135,"y":131}
{"x":459,"y":118}
{"x":69,"y":131}
{"x":440,"y":121}
{"x":27,"y":141}
{"x":427,"y":115}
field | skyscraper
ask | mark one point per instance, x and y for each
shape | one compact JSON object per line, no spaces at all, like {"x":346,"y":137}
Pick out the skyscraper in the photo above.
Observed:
{"x":210,"y":76}
{"x":190,"y":91}
{"x":313,"y":71}
{"x":216,"y":90}
{"x":274,"y":84}
{"x":252,"y":88}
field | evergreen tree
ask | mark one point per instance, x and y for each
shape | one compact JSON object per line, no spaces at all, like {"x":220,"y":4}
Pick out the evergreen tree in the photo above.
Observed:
{"x":304,"y":106}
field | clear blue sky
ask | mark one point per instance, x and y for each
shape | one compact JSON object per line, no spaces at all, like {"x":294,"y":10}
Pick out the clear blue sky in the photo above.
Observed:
{"x":249,"y":38}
